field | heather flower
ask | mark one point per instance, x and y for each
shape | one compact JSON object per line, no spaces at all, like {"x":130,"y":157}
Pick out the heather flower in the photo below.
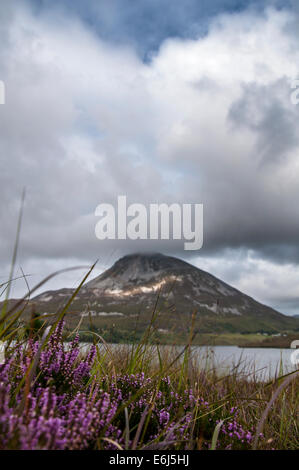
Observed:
{"x":68,"y":406}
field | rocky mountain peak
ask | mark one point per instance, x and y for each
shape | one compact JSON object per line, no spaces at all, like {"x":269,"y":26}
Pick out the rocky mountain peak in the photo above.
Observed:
{"x":135,"y":282}
{"x":140,"y":267}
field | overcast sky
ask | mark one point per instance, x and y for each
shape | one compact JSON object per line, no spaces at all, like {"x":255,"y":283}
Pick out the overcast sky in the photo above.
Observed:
{"x":162,"y":101}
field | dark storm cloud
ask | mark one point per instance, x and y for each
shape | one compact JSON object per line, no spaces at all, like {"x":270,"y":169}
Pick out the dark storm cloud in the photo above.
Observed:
{"x":265,"y":111}
{"x":87,"y":119}
{"x":145,"y":24}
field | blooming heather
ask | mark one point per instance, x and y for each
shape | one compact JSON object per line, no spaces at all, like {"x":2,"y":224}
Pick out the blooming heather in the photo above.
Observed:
{"x":68,"y":404}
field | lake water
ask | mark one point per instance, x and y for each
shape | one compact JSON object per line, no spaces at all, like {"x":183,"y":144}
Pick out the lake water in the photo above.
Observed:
{"x":264,"y":363}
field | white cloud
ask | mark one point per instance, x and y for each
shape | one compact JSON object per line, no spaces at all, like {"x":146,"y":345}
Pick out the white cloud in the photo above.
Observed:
{"x":265,"y":281}
{"x":207,"y":120}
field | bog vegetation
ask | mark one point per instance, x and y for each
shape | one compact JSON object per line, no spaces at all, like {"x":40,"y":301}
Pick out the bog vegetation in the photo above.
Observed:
{"x":56,"y":395}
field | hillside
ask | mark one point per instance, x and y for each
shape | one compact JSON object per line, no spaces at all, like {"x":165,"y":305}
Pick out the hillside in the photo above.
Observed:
{"x":124,"y":297}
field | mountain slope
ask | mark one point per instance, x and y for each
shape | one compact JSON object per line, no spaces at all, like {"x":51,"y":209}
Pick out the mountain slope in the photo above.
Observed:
{"x":137,"y":284}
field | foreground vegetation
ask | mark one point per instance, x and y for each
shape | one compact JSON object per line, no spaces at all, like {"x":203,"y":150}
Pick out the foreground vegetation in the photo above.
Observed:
{"x":55,"y":396}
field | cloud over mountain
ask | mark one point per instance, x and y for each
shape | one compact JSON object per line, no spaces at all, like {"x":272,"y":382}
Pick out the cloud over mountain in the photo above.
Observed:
{"x":206,"y":118}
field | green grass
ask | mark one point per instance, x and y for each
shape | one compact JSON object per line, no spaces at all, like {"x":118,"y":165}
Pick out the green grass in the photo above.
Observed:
{"x":261,"y":406}
{"x":267,"y":410}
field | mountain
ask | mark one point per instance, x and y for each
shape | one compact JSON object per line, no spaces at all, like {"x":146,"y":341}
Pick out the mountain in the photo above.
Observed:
{"x":138,"y":284}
